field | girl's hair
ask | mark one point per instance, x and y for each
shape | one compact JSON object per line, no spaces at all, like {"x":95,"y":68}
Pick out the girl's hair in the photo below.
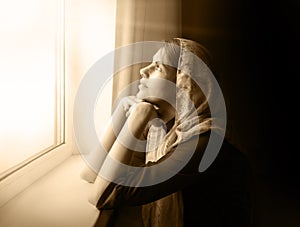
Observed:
{"x":190,"y":45}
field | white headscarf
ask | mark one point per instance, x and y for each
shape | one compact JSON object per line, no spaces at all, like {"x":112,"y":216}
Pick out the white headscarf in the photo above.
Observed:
{"x":195,"y":96}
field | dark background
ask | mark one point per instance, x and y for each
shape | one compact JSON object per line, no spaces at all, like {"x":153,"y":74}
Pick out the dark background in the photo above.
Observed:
{"x":255,"y":46}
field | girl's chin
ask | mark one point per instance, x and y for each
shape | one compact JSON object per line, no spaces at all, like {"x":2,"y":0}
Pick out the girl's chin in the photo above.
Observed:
{"x":140,"y":95}
{"x":149,"y":98}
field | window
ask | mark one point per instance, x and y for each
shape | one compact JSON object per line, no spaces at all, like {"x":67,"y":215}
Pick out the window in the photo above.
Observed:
{"x":31,"y":81}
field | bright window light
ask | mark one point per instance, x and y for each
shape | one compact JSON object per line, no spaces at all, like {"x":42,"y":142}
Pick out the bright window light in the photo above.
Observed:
{"x":31,"y":79}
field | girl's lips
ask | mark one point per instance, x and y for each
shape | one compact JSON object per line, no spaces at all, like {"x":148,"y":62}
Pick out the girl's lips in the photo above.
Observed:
{"x":141,"y":86}
{"x":143,"y":82}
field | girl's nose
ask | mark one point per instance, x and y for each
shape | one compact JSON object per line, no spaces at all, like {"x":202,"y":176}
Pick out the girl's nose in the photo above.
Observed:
{"x":144,"y":72}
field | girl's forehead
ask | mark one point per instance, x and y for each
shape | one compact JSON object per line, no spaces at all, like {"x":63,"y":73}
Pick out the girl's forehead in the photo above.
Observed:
{"x":167,"y":56}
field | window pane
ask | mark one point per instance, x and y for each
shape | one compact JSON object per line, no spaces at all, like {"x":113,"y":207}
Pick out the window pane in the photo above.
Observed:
{"x":28,"y":66}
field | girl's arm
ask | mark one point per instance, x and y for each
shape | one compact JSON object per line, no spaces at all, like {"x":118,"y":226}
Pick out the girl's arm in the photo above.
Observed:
{"x":131,"y":132}
{"x":108,"y":137}
{"x":107,"y":194}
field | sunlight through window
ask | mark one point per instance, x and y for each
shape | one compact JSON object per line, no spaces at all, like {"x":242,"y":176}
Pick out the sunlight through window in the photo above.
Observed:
{"x":31,"y":79}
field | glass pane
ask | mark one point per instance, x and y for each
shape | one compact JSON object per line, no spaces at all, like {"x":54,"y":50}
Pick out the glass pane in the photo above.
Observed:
{"x":27,"y":79}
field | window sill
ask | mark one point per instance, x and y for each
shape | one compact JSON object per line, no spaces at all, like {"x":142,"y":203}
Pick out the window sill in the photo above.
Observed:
{"x":21,"y":179}
{"x":60,"y":198}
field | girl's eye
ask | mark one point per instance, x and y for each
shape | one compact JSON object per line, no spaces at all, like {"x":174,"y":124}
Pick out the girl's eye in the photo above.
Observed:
{"x":157,"y":68}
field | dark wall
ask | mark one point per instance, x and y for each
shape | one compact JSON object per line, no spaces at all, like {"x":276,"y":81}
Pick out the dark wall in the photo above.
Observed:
{"x":255,"y":48}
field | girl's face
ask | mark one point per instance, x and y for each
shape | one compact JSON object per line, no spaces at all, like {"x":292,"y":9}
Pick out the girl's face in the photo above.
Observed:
{"x":158,"y":83}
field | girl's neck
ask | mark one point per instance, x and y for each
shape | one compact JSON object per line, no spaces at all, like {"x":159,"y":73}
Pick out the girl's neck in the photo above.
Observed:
{"x":166,"y":112}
